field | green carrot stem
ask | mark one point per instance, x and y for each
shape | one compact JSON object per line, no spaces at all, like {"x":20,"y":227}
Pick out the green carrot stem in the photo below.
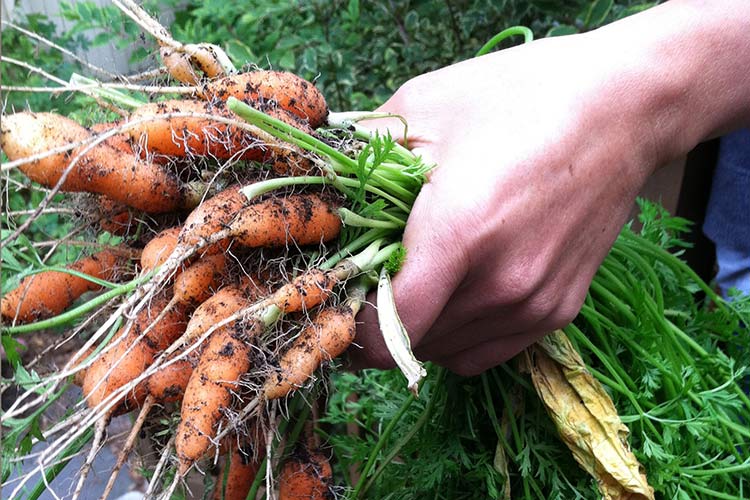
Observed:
{"x":388,"y":459}
{"x":358,"y":489}
{"x":350,"y":218}
{"x":355,"y":245}
{"x":284,"y":131}
{"x":647,"y":270}
{"x":678,"y":266}
{"x":611,"y":299}
{"x":110,"y":94}
{"x":73,"y":272}
{"x":528,"y":36}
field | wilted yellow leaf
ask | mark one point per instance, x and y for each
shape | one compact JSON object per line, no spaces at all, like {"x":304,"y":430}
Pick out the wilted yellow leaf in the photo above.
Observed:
{"x":586,"y":418}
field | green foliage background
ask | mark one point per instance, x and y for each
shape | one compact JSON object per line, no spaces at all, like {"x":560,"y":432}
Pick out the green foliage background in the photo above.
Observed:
{"x":359,"y":53}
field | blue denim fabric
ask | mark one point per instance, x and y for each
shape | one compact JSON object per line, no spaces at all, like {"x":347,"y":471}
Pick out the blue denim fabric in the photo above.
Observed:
{"x":727,"y":221}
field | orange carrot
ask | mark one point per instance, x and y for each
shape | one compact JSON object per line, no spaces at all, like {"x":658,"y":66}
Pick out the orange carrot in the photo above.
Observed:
{"x":208,"y":394}
{"x":49,"y":293}
{"x":121,"y":141}
{"x":178,"y":65}
{"x":126,"y":366}
{"x":287,"y":90}
{"x":102,"y":169}
{"x":198,"y":282}
{"x":237,"y":473}
{"x":158,"y":249}
{"x":302,"y":219}
{"x":212,"y":216}
{"x":330,"y":334}
{"x":305,"y":291}
{"x":189,"y":135}
{"x":219,"y":306}
{"x":168,"y":383}
{"x":305,"y":476}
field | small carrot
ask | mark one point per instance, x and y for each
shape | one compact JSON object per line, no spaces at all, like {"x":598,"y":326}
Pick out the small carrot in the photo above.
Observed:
{"x":178,"y":65}
{"x":198,"y":282}
{"x":133,"y":354}
{"x":219,"y":306}
{"x":159,"y":248}
{"x":305,"y":475}
{"x":305,"y":291}
{"x":330,"y":334}
{"x":287,"y":90}
{"x":49,"y":293}
{"x":208,"y":394}
{"x":166,"y":134}
{"x":302,"y":219}
{"x":102,"y":169}
{"x":211,"y":216}
{"x":168,"y":383}
{"x":238,"y":471}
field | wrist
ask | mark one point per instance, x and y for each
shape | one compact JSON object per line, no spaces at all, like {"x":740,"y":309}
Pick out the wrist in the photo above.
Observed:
{"x":683,"y":78}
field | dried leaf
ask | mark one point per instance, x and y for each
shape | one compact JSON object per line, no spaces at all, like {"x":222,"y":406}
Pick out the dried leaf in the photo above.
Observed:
{"x":395,"y":335}
{"x":586,"y":418}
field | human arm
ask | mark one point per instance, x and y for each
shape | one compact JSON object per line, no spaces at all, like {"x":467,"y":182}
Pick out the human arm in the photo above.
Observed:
{"x":541,"y":151}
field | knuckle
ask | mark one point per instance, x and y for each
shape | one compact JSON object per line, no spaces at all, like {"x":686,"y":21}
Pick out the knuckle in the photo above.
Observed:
{"x":516,"y":285}
{"x":569,"y":309}
{"x":541,"y":306}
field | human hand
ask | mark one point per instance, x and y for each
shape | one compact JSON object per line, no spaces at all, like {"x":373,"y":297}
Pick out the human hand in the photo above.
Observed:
{"x":541,"y":152}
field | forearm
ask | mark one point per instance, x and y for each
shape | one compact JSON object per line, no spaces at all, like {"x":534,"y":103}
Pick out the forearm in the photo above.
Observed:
{"x":684,"y":68}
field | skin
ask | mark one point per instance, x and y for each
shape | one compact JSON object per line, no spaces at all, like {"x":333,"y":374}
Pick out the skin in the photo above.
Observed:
{"x":541,"y":155}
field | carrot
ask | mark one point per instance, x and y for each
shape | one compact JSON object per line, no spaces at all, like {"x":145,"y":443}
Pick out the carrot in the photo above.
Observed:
{"x":121,"y":141}
{"x":132,"y":355}
{"x":158,"y":249}
{"x":307,"y":476}
{"x":168,"y":383}
{"x":287,"y":90}
{"x":305,"y":291}
{"x":49,"y":293}
{"x":189,"y":135}
{"x":80,"y":375}
{"x":102,"y":169}
{"x":178,"y":65}
{"x":237,"y":473}
{"x":179,"y":62}
{"x":212,"y":216}
{"x":330,"y":334}
{"x":302,"y":219}
{"x":197,"y":283}
{"x":208,"y":394}
{"x":220,"y":305}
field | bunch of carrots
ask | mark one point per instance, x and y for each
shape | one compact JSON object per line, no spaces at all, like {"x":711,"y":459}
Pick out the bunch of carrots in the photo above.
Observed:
{"x":253,"y":223}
